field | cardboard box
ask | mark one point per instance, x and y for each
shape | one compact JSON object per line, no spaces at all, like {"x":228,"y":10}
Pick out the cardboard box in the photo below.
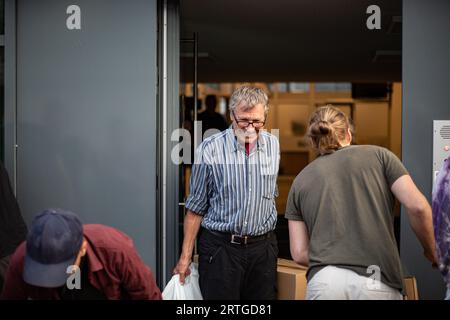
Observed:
{"x":291,"y":279}
{"x":290,"y":264}
{"x":411,"y":288}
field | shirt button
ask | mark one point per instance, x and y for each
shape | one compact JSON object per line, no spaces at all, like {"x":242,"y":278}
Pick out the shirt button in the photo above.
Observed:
{"x":250,"y":189}
{"x":245,"y":223}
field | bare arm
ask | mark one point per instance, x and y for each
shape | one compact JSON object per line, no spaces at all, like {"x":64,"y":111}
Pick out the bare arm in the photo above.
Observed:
{"x":419,"y":214}
{"x":299,"y":242}
{"x":192,"y":224}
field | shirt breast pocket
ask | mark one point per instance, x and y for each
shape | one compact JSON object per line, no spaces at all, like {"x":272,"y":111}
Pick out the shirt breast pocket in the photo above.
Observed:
{"x":268,"y":168}
{"x":270,"y":190}
{"x":269,"y":163}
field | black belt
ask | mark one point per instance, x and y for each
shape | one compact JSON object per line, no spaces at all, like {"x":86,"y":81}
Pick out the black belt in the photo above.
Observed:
{"x":238,"y":239}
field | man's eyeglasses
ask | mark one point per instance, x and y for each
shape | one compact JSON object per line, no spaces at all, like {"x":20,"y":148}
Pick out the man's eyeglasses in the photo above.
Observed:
{"x":246,"y":123}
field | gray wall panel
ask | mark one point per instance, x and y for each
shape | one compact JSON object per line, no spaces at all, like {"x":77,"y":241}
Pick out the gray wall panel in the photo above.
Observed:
{"x":426,"y":75}
{"x":86,"y":103}
{"x":10,"y":90}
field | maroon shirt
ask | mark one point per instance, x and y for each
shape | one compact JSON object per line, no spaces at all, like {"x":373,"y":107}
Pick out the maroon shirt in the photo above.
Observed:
{"x":115,"y":269}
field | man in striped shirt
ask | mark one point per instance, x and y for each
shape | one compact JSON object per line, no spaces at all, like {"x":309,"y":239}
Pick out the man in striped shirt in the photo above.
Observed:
{"x":231,"y":205}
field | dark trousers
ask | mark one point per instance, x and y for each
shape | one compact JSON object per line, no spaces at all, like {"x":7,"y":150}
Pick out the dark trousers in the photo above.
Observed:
{"x":237,"y":271}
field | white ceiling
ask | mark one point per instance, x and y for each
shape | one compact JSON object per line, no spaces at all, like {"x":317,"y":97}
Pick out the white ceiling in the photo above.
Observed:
{"x":288,"y":40}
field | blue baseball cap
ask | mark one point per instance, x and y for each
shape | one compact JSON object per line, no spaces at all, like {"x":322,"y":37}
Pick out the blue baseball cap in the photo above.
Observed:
{"x":53,"y":244}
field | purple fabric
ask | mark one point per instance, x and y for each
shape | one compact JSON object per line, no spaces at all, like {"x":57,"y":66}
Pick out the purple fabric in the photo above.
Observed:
{"x":441,"y":220}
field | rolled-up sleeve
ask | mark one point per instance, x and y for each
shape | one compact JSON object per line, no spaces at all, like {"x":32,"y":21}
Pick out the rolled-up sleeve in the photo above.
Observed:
{"x":293,"y":207}
{"x":197,"y":200}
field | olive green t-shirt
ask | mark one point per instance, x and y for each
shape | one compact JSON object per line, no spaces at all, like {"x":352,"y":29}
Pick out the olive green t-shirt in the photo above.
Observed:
{"x":346,"y":202}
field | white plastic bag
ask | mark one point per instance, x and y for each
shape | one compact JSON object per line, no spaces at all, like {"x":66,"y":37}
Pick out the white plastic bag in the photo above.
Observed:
{"x":190,"y":290}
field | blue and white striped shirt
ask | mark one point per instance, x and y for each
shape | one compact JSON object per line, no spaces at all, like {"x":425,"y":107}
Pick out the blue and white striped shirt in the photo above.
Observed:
{"x":235,"y":192}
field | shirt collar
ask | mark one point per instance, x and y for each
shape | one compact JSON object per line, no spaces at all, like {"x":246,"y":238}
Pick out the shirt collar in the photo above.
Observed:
{"x":233,"y":144}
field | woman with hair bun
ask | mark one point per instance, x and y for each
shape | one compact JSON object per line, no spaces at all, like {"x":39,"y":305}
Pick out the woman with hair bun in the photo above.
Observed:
{"x":340,"y":211}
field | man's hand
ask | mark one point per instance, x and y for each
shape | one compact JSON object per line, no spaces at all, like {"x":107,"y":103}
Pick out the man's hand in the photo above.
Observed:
{"x":432,"y":257}
{"x":182,"y":268}
{"x":419,"y":214}
{"x":192,"y":224}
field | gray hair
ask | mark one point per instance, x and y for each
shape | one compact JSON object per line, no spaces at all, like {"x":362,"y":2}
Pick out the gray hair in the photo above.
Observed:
{"x":250,"y":96}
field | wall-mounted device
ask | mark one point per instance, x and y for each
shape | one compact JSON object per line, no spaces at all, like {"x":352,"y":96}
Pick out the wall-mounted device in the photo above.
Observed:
{"x":441,"y":144}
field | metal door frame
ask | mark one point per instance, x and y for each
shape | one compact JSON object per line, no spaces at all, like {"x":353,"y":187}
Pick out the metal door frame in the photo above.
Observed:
{"x":168,"y":120}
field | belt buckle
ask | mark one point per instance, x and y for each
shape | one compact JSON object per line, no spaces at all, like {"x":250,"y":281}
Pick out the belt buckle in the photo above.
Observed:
{"x":240,"y":238}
